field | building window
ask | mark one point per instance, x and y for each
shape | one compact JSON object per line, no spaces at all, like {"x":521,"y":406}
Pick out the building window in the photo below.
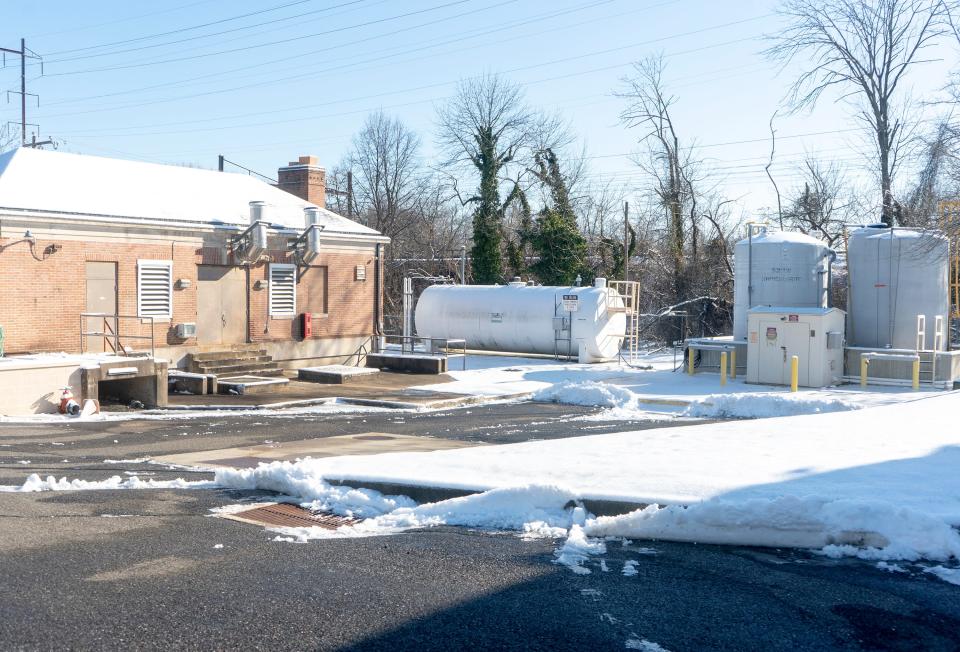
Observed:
{"x":283,"y":290}
{"x":155,"y":288}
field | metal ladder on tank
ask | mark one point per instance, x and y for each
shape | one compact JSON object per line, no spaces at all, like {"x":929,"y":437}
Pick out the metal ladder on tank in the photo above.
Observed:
{"x":928,"y":358}
{"x":562,"y":323}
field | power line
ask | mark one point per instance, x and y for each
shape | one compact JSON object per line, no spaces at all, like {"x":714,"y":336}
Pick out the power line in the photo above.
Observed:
{"x":123,"y":20}
{"x":178,"y":31}
{"x":473,"y":33}
{"x":262,"y":45}
{"x":448,"y":82}
{"x":212,"y":34}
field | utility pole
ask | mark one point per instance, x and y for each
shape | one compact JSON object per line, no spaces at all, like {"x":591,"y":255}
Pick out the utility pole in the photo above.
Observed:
{"x":23,"y":53}
{"x":349,"y":194}
{"x":626,"y":241}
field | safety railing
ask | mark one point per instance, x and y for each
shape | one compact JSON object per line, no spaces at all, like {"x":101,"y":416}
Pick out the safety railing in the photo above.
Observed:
{"x":110,"y":331}
{"x":417,"y":345}
{"x":913,"y":359}
{"x":728,"y":354}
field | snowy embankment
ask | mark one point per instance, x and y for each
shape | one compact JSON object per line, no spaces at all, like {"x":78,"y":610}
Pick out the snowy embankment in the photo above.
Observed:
{"x":621,"y":402}
{"x":878,"y":483}
{"x":653,"y":391}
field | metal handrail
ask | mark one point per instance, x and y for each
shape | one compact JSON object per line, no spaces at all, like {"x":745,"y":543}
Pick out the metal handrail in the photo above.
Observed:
{"x":115,"y":334}
{"x":408,"y":345}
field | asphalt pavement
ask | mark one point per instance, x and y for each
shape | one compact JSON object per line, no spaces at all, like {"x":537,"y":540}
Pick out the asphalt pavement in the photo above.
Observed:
{"x":152,"y":569}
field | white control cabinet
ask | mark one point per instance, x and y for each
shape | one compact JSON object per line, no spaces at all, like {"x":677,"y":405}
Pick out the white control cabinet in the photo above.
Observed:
{"x":814,"y":335}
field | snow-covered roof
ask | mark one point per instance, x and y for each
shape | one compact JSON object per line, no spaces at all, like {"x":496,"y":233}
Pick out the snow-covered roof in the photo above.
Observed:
{"x":49,"y":181}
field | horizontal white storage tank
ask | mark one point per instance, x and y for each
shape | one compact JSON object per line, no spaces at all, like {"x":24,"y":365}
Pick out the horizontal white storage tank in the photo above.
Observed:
{"x":784,"y":269}
{"x":895,"y":275}
{"x":521,"y":318}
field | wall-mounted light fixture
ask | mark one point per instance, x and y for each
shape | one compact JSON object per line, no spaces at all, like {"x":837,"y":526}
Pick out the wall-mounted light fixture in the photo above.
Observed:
{"x":183,"y":283}
{"x":29,"y":237}
{"x":261,"y":285}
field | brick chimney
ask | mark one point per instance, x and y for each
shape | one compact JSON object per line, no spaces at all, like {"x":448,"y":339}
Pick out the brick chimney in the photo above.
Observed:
{"x":305,"y":179}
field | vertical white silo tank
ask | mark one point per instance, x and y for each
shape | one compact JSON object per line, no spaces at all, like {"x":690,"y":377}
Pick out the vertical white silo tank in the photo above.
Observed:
{"x":895,"y":275}
{"x":778,"y":268}
{"x":520,"y":318}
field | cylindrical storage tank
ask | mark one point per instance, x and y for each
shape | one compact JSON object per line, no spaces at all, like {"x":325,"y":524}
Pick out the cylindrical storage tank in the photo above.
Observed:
{"x":311,"y":217}
{"x":895,"y":275}
{"x":783,"y":269}
{"x":520,"y":318}
{"x":259,"y":218}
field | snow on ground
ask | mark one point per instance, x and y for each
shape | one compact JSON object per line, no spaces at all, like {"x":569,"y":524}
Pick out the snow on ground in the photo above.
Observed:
{"x":36,"y":483}
{"x":281,"y":410}
{"x":651,"y":389}
{"x":880,"y":483}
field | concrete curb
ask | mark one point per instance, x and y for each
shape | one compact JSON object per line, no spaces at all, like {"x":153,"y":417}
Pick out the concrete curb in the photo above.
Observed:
{"x":430,"y":494}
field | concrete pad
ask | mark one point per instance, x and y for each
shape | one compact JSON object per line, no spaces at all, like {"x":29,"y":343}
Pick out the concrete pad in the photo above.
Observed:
{"x":370,"y":443}
{"x":334,"y":374}
{"x":414,"y":363}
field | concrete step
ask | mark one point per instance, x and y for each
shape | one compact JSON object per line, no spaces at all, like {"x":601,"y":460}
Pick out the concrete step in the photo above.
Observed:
{"x":248,"y":384}
{"x":211,"y":356}
{"x":265,"y":367}
{"x":200,"y":365}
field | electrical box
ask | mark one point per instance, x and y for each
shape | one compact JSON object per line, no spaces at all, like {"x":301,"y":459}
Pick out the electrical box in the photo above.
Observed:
{"x":306,"y":324}
{"x":183,"y":331}
{"x":834,"y":340}
{"x":775,"y":334}
{"x":360,"y":273}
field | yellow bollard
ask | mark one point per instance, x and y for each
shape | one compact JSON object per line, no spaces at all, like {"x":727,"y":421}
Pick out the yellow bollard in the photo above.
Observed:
{"x":723,"y":368}
{"x":864,"y":363}
{"x":916,"y":374}
{"x":733,"y":364}
{"x":794,"y":372}
{"x":690,"y":358}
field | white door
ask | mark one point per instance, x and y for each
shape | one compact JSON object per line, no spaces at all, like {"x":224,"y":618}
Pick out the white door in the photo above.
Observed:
{"x":779,"y":341}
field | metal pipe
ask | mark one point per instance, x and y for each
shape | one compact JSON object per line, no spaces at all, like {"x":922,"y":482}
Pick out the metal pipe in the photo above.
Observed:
{"x":377,"y":307}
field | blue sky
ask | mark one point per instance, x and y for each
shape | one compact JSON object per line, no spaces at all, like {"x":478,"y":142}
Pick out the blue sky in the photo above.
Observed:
{"x":267,"y":80}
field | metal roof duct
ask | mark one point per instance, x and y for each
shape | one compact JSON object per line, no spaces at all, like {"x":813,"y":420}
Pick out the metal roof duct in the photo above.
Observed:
{"x":311,"y":218}
{"x":257,"y":240}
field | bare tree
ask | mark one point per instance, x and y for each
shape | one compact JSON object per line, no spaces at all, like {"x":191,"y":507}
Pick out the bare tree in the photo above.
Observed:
{"x":863,"y":49}
{"x":937,"y":176}
{"x":9,"y":138}
{"x":387,"y":177}
{"x":664,"y":159}
{"x":687,"y":261}
{"x":823,"y":204}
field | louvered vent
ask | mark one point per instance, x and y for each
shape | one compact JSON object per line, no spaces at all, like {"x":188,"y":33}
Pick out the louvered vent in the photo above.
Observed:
{"x":155,"y":288}
{"x":283,"y":290}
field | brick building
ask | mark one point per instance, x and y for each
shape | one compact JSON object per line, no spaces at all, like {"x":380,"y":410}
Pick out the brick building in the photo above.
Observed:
{"x":163,"y":247}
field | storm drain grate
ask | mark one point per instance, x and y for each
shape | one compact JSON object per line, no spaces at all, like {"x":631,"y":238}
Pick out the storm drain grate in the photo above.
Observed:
{"x":287,"y":515}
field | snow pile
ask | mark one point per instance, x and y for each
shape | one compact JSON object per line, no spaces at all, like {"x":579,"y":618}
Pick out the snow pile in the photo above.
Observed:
{"x":951,"y":575}
{"x":299,"y":479}
{"x":623,"y":403}
{"x":537,"y":511}
{"x":588,"y":393}
{"x":755,"y":405}
{"x":869,"y":530}
{"x":35,"y":483}
{"x":576,"y":548}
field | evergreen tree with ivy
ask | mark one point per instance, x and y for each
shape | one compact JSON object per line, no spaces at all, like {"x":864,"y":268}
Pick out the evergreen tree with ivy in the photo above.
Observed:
{"x":485,"y":128}
{"x":556,"y":238}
